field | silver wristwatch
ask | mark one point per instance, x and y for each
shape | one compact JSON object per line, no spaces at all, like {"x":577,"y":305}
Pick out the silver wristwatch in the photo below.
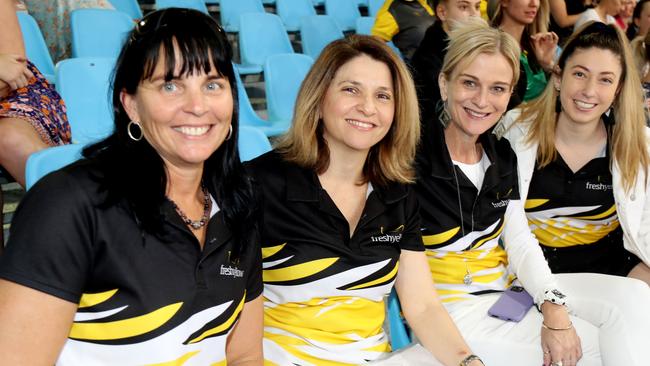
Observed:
{"x":467,"y":360}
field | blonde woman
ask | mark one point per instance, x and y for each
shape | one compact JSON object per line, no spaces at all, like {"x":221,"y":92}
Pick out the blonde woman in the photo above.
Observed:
{"x":582,"y":152}
{"x":470,"y":203}
{"x":527,"y":21}
{"x":338,"y":217}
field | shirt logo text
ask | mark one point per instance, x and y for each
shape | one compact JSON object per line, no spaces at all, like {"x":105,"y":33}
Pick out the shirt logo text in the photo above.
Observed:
{"x":231,"y":271}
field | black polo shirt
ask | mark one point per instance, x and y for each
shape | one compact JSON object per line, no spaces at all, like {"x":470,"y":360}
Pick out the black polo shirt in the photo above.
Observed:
{"x":447,"y":198}
{"x":324,"y":289}
{"x":142,"y":299}
{"x":573,"y":215}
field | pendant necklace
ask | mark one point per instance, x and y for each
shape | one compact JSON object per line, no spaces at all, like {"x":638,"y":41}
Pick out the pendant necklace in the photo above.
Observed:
{"x":467,"y":279}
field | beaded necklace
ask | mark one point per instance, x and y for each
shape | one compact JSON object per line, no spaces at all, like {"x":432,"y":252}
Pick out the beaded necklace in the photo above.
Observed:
{"x":196,"y":224}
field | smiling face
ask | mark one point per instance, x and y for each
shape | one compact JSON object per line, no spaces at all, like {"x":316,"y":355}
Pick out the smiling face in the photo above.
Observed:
{"x":185,"y":119}
{"x":520,"y":11}
{"x":477,"y":94}
{"x":589,"y":84}
{"x":358,"y":107}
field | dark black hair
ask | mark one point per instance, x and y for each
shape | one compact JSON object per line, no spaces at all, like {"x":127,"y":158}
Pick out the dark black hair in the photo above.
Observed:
{"x":594,"y":35}
{"x":632,"y":29}
{"x":638,"y":8}
{"x":133,"y":170}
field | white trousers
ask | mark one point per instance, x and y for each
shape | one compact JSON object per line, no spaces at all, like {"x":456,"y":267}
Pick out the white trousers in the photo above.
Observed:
{"x":611,"y":315}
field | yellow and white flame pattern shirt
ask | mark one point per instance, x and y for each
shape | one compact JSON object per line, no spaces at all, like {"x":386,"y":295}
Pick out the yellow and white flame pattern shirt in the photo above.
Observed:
{"x":462,"y":225}
{"x":324,"y":291}
{"x":142,"y":299}
{"x":574,"y":217}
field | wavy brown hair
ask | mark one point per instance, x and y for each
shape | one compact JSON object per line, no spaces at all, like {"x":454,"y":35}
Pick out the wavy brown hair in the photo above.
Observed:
{"x":391,"y":159}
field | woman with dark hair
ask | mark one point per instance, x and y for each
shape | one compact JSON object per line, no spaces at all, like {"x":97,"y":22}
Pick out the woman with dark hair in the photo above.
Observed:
{"x":640,"y":20}
{"x":338,"y":218}
{"x":143,"y":253}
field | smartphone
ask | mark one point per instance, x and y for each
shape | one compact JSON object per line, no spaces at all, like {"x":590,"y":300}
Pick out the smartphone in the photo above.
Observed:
{"x":512,"y":305}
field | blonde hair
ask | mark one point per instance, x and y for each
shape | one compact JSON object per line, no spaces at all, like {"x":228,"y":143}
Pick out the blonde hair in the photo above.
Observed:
{"x":472,"y":37}
{"x":641,"y":52}
{"x":391,"y":159}
{"x":628,"y":142}
{"x":540,"y":24}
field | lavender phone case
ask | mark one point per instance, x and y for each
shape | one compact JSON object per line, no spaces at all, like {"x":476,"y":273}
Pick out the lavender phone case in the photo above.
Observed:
{"x":512,"y":305}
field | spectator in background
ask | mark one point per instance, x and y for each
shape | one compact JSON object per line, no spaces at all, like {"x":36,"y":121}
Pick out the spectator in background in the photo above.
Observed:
{"x":403,"y":22}
{"x":564,"y":14}
{"x":640,"y":20}
{"x":527,"y":21}
{"x":427,"y":59}
{"x":624,"y":16}
{"x":603,"y":12}
{"x":53,"y":18}
{"x":32,"y":114}
{"x":641,"y":49}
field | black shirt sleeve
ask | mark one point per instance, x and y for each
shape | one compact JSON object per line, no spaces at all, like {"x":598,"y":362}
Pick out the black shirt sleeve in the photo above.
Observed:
{"x":412,"y":236}
{"x":51,"y":240}
{"x":254,"y":284}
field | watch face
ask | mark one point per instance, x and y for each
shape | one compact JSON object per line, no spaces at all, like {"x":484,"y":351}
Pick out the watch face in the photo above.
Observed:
{"x":558,"y":294}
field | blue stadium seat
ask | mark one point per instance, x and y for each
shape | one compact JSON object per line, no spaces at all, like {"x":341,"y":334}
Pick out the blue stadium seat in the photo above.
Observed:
{"x":316,"y":32}
{"x":399,"y":337}
{"x":291,"y":11}
{"x":248,"y":117}
{"x":345,"y":12}
{"x":188,"y":4}
{"x":35,"y":46}
{"x":128,"y":7}
{"x":283,"y":75}
{"x":252,"y":143}
{"x":98,"y":32}
{"x":364,"y":25}
{"x":260,"y":36}
{"x":84,"y":86}
{"x":231,"y":10}
{"x":374,"y":6}
{"x":48,"y":160}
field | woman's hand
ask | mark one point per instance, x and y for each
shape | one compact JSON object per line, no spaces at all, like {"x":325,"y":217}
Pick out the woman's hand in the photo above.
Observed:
{"x":14,"y":71}
{"x":545,"y":45}
{"x":560,"y":347}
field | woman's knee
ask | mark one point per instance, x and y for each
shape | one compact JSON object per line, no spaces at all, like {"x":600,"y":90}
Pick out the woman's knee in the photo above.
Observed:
{"x":17,"y":136}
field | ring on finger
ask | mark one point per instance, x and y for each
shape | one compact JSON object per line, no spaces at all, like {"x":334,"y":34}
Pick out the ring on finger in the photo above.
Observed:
{"x":557,"y":363}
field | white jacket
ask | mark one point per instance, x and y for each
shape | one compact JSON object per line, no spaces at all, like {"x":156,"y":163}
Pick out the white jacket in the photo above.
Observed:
{"x":633,"y":207}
